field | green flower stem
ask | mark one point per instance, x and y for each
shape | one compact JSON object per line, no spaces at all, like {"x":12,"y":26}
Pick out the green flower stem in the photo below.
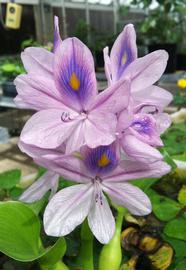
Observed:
{"x":58,"y":266}
{"x":85,"y":259}
{"x":111,"y":254}
{"x":52,"y":258}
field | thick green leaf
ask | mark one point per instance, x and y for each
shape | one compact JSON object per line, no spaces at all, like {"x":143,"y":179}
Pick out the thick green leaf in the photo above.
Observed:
{"x":54,"y":254}
{"x":164,"y":208}
{"x":19,"y":231}
{"x":20,"y":236}
{"x":176,"y":228}
{"x":37,"y":206}
{"x":181,"y":265}
{"x":9,"y":179}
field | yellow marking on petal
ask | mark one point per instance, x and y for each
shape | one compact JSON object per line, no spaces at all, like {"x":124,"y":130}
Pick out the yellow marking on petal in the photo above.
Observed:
{"x":103,"y":161}
{"x":74,"y":82}
{"x":124,"y":59}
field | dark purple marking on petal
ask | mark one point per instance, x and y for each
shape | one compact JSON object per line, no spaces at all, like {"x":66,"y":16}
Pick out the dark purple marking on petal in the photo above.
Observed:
{"x":143,"y":125}
{"x":99,"y":198}
{"x":75,"y":78}
{"x":98,"y":191}
{"x":126,"y":57}
{"x":101,"y":160}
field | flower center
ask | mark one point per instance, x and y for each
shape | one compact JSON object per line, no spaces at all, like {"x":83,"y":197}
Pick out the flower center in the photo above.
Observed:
{"x":74,"y":82}
{"x":101,"y":160}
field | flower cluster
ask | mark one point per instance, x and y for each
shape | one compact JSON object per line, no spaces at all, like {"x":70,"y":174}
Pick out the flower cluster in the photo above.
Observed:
{"x":99,"y":140}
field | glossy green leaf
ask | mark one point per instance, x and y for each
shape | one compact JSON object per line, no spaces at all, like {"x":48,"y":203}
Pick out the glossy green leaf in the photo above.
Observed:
{"x":38,"y":205}
{"x":54,"y":253}
{"x":9,"y":179}
{"x":176,"y":228}
{"x":19,"y":231}
{"x":20,"y":236}
{"x":164,"y":208}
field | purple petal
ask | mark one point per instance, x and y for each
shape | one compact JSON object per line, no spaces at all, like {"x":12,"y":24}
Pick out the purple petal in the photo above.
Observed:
{"x":145,"y":129}
{"x":163,"y":122}
{"x":139,"y":150}
{"x":46,"y":129}
{"x":114,"y":99}
{"x":95,"y":137}
{"x":74,"y":73}
{"x":124,"y":120}
{"x":36,"y":152}
{"x":129,"y":196}
{"x":48,"y":181}
{"x":108,"y":65}
{"x":38,"y":93}
{"x":67,"y":209}
{"x":57,"y":38}
{"x":124,"y":51}
{"x":152,"y":96}
{"x":38,"y":61}
{"x":71,"y":167}
{"x":130,"y":170}
{"x":76,"y":139}
{"x":146,"y":70}
{"x":100,"y":218}
{"x":97,"y":131}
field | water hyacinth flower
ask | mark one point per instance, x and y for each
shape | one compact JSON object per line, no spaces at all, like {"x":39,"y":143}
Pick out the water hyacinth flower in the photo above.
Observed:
{"x":98,"y":171}
{"x":76,"y":131}
{"x":143,"y":71}
{"x":62,"y":86}
{"x":140,"y":134}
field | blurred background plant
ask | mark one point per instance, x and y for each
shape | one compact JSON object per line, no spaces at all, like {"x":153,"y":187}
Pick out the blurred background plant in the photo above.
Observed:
{"x":164,"y":28}
{"x":10,"y":68}
{"x":164,"y":24}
